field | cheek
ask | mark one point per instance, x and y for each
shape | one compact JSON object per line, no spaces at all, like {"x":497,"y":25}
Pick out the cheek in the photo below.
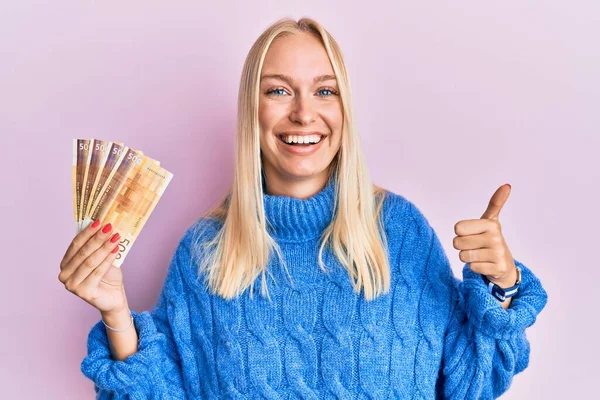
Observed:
{"x":263,"y":118}
{"x":267,"y":123}
{"x":333,"y":116}
{"x":334,"y":120}
{"x":270,"y":114}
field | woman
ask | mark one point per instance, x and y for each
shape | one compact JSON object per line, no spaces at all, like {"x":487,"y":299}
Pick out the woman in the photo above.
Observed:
{"x":368,"y":305}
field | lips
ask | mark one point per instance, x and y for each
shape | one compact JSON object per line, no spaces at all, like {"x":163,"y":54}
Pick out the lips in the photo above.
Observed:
{"x":299,"y":144}
{"x":300,"y":133}
{"x":303,"y":149}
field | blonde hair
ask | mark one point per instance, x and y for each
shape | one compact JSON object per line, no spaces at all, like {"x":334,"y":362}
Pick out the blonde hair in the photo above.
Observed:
{"x":241,"y":248}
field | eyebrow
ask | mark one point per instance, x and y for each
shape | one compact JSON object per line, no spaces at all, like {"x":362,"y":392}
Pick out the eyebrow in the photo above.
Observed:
{"x":320,"y":78}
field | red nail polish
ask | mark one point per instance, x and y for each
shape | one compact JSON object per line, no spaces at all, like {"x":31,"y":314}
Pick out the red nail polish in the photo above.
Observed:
{"x":115,"y":237}
{"x":107,"y":228}
{"x":115,"y":249}
{"x":96,"y":223}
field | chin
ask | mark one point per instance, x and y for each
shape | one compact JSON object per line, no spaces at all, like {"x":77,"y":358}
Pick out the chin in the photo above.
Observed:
{"x":303,"y":172}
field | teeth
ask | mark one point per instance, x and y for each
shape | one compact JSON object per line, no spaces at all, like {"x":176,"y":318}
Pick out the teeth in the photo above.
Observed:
{"x":301,"y":139}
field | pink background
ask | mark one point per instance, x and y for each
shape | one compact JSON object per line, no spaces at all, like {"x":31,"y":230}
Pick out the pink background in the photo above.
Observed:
{"x":451,"y":102}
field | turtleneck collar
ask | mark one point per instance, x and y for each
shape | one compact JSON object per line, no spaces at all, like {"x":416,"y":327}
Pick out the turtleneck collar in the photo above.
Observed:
{"x":290,"y":219}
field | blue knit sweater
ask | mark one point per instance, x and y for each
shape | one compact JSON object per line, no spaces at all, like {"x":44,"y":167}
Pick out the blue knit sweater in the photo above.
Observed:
{"x":431,"y":336}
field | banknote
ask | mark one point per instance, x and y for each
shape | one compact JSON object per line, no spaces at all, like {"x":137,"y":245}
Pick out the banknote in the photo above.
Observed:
{"x":135,"y":202}
{"x":129,"y":159}
{"x":86,"y":152}
{"x":117,"y":184}
{"x":75,"y":185}
{"x":115,"y":153}
{"x":81,"y":153}
{"x":98,"y":153}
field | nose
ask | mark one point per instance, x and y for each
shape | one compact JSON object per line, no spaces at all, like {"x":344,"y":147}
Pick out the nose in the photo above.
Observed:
{"x":303,"y":111}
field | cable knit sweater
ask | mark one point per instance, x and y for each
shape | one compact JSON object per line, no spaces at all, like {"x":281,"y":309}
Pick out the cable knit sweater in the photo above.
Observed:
{"x":431,"y":336}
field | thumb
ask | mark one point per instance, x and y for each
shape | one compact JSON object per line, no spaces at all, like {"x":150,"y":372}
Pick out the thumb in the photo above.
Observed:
{"x":497,"y":202}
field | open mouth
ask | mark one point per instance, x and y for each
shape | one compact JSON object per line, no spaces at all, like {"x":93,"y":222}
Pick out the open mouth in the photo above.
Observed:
{"x":291,"y":143}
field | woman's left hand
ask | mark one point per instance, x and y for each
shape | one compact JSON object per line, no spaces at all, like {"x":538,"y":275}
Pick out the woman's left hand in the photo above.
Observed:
{"x":482,"y":244}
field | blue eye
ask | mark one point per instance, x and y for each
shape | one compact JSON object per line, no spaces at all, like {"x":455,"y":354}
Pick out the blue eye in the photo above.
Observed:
{"x":327,"y":90}
{"x":280,"y":92}
{"x":276,"y":90}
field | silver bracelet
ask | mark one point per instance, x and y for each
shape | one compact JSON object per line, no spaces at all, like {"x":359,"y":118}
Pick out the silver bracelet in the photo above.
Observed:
{"x":120,"y":330}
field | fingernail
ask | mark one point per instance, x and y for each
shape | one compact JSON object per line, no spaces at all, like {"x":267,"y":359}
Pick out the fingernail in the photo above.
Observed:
{"x":96,"y":223}
{"x":115,"y":237}
{"x":115,"y":249}
{"x":107,"y":228}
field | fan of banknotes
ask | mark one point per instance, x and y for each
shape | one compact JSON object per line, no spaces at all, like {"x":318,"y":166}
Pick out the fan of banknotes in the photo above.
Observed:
{"x":117,"y":184}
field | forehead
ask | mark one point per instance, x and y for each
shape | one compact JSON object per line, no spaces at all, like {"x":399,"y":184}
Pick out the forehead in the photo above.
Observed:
{"x":299,"y":56}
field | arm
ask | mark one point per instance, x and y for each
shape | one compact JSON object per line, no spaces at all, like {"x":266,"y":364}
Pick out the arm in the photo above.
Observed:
{"x":122,"y":344}
{"x":484,"y":345}
{"x":155,"y":369}
{"x":508,"y":282}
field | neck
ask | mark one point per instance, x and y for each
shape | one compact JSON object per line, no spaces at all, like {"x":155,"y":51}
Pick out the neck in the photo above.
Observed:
{"x":292,"y":219}
{"x":298,"y":188}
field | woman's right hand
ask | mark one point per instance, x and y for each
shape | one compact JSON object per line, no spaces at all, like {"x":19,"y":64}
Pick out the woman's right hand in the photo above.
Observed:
{"x":86,"y":269}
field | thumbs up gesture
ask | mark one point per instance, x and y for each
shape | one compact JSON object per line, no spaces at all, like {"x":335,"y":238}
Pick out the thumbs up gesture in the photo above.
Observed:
{"x":482,"y":244}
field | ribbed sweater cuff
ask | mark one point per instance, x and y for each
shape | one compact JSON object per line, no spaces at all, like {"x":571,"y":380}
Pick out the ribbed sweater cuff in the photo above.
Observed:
{"x":485,"y":313}
{"x":124,"y":376}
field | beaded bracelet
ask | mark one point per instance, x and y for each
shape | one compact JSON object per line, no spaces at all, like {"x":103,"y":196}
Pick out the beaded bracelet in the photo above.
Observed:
{"x":120,"y":330}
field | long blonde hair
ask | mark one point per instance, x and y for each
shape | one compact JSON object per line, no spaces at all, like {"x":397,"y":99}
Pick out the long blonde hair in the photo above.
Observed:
{"x":241,"y":247}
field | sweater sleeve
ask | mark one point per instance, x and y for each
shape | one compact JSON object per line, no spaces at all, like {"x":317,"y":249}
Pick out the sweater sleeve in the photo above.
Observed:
{"x":484,"y":345}
{"x":155,"y":370}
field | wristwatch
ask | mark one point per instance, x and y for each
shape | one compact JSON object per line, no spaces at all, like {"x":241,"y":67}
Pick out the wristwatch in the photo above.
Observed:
{"x":503,"y":293}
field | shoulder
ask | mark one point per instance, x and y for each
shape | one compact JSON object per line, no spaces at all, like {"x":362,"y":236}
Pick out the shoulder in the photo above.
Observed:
{"x":200,"y":231}
{"x":421,"y":258}
{"x":192,"y":247}
{"x":399,"y":212}
{"x":197,"y":238}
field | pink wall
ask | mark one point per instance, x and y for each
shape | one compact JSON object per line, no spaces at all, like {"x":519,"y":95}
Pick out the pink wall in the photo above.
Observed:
{"x":451,"y":103}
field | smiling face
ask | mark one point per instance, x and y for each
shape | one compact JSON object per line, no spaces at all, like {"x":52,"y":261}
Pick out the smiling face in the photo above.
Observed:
{"x":299,"y":102}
